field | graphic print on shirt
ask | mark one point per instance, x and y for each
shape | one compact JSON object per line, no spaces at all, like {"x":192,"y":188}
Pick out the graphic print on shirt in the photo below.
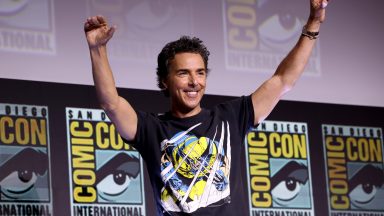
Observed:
{"x":195,"y":170}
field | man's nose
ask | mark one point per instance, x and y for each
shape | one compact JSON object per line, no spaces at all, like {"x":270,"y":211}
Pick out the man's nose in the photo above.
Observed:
{"x":193,"y":80}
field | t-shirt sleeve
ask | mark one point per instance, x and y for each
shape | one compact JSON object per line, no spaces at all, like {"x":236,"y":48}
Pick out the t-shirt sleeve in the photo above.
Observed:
{"x":241,"y":109}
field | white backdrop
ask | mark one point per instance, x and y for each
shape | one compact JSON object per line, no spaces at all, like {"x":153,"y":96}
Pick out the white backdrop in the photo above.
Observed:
{"x":43,"y":40}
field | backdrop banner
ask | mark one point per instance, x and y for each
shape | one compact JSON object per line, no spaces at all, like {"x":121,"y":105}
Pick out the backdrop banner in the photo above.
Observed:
{"x":61,"y":155}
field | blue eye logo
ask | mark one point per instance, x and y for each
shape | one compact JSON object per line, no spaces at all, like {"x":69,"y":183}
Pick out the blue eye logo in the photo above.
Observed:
{"x":116,"y":177}
{"x":23,"y":176}
{"x":157,"y":15}
{"x":278,"y":31}
{"x":366,"y":188}
{"x":289,"y":184}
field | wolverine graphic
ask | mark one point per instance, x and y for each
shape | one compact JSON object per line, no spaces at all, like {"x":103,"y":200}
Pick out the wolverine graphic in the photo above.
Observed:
{"x":194,"y":169}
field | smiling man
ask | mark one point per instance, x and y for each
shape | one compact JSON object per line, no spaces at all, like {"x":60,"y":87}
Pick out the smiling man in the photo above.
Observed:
{"x":183,"y":79}
{"x":194,"y":155}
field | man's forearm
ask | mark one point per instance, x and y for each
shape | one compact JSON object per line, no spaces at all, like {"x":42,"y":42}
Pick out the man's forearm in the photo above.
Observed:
{"x":293,"y":65}
{"x":103,"y":78}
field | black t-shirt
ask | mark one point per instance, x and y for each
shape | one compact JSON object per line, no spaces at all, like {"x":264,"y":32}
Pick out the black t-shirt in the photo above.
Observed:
{"x":194,"y":163}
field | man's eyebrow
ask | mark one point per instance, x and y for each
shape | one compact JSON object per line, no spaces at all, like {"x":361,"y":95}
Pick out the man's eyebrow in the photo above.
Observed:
{"x":183,"y":69}
{"x":188,"y":70}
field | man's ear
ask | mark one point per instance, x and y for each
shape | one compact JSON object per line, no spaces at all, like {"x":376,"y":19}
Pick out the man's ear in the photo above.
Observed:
{"x":163,"y":81}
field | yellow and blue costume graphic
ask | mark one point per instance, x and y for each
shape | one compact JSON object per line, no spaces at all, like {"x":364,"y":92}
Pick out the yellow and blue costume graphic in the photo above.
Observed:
{"x":195,"y":171}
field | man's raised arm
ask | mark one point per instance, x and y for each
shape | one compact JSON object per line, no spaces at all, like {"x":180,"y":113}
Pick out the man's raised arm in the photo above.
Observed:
{"x":121,"y":113}
{"x":265,"y":98}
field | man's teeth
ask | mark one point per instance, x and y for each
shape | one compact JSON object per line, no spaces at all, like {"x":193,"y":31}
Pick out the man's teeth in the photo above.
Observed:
{"x":192,"y":93}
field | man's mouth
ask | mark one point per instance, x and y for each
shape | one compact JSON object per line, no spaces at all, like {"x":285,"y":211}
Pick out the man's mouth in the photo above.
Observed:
{"x":191,"y":93}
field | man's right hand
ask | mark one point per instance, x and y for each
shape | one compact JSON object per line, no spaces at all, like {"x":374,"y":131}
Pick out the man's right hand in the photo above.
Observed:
{"x":97,"y":31}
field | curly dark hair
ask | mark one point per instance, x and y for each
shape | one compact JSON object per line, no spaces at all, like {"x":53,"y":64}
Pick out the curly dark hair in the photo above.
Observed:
{"x":185,"y":44}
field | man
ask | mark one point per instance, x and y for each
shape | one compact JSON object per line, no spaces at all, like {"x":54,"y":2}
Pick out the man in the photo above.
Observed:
{"x":194,"y":155}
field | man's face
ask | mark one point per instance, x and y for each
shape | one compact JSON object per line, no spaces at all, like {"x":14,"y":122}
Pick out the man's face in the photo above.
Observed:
{"x":186,"y":82}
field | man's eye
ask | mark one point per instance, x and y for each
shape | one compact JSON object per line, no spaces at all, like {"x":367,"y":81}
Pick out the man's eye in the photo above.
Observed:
{"x":201,"y":73}
{"x":181,"y":73}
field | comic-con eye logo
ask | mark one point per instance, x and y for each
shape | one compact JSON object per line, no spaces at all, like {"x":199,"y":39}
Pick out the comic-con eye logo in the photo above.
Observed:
{"x":106,"y":173}
{"x":278,"y":26}
{"x":20,"y":179}
{"x":365,"y":185}
{"x":265,"y":25}
{"x":278,"y":169}
{"x":354,"y":161}
{"x":258,"y":34}
{"x":109,"y":174}
{"x":289,"y":184}
{"x":115,"y":176}
{"x":138,"y":19}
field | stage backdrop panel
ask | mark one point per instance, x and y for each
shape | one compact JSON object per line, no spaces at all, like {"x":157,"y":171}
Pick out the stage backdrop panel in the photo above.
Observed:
{"x":307,"y":158}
